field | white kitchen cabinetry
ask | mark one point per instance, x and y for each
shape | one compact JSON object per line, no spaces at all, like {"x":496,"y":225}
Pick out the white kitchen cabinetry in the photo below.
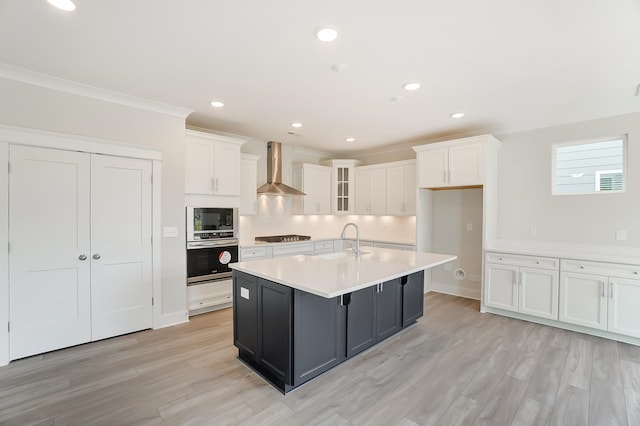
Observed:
{"x":524,"y":284}
{"x":342,"y":185}
{"x":401,"y":189}
{"x":212,"y":164}
{"x":600,"y":295}
{"x":293,"y":249}
{"x":323,"y":247}
{"x":81,"y":257}
{"x":371,"y":189}
{"x":315,"y":181}
{"x":255,"y":253}
{"x":248,"y":183}
{"x":209,"y":296}
{"x":454,"y":163}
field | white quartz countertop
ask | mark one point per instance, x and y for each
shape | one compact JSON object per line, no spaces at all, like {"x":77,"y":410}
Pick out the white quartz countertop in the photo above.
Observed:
{"x":334,"y":274}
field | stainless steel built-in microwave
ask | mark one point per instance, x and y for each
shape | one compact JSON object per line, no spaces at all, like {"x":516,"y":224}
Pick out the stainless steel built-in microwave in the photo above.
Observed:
{"x":206,"y":223}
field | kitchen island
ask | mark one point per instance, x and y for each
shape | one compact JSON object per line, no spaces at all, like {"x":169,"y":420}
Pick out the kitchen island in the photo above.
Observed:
{"x":296,"y":317}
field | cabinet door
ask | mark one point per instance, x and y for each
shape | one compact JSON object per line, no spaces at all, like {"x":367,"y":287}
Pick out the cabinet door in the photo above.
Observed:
{"x":501,"y":286}
{"x":466,"y":165}
{"x":245,"y":313}
{"x":275,"y":329}
{"x":388,"y":309}
{"x":317,"y":185}
{"x":433,"y":167}
{"x":343,"y":199}
{"x":409,"y":208}
{"x":49,"y":217}
{"x":538,"y":293}
{"x":248,"y":183}
{"x":379,"y":191}
{"x":199,"y":166}
{"x":226,"y":168}
{"x":624,"y":306}
{"x":395,"y":190}
{"x":583,"y":300}
{"x":412,"y":297}
{"x":319,"y":335}
{"x":363,"y":191}
{"x":361,"y":320}
{"x":121,"y":287}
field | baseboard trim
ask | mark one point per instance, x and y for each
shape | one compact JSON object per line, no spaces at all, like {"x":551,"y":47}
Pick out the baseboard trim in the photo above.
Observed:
{"x":174,"y":318}
{"x":454,"y":291}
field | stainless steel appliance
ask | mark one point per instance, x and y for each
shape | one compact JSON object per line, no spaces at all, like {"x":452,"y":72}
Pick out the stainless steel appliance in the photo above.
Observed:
{"x":282,"y":238}
{"x":212,"y":243}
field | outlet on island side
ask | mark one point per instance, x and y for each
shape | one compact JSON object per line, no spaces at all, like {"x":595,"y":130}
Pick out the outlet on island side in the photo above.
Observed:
{"x":621,"y":235}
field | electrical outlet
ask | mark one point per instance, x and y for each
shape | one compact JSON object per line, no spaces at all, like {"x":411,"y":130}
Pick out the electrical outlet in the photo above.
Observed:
{"x":533,"y":231}
{"x":621,"y":235}
{"x":469,"y":227}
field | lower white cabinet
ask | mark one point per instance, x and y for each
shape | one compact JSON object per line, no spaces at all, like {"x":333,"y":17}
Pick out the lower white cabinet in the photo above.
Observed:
{"x":255,"y":253}
{"x":601,"y":296}
{"x":323,"y":247}
{"x":524,"y":284}
{"x":209,"y":296}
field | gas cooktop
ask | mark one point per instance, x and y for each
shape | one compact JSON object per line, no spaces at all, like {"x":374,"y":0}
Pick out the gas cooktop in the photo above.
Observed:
{"x":283,"y":238}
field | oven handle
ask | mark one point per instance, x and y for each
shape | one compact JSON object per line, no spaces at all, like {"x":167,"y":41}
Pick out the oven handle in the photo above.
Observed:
{"x":228,"y":242}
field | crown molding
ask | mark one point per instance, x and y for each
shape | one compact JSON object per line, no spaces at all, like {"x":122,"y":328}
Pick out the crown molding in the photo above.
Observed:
{"x":22,"y":75}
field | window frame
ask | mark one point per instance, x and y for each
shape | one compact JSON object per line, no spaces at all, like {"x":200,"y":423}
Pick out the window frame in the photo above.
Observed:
{"x":595,"y":191}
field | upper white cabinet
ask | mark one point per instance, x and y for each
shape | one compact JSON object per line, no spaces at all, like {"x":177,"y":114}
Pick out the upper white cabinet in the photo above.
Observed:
{"x":315,"y":181}
{"x":248,"y":184}
{"x":401,"y":188}
{"x":455,"y":163}
{"x":342,"y":185}
{"x":371,"y":189}
{"x":212,"y":164}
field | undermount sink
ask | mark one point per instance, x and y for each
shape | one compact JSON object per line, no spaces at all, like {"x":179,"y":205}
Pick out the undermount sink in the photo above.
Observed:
{"x":340,"y":255}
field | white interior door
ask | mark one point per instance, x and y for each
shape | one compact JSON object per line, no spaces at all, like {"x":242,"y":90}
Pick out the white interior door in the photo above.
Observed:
{"x":121,"y":282}
{"x":49,"y":235}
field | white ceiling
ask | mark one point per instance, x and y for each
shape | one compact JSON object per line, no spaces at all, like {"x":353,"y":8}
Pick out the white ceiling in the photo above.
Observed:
{"x":510,"y":65}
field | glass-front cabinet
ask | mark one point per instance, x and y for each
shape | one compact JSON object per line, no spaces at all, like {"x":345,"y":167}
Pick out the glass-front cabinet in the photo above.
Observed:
{"x":342,"y":185}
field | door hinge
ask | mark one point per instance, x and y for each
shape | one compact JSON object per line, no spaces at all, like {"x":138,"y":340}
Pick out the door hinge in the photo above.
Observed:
{"x":151,"y":240}
{"x":8,"y":167}
{"x":8,"y":327}
{"x":151,"y":178}
{"x":8,"y":247}
{"x":152,"y":301}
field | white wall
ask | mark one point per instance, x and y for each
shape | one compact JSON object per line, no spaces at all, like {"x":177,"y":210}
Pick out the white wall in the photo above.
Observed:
{"x":454,"y":211}
{"x":37,"y":107}
{"x":524,"y":189}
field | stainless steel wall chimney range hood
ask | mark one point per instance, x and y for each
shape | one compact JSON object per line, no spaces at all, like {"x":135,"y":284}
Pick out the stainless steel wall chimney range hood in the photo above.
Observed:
{"x":274,"y":185}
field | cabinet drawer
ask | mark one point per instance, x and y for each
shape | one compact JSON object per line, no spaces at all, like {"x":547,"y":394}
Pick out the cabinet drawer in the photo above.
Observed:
{"x":255,"y":253}
{"x":323,"y":247}
{"x":601,"y":268}
{"x":291,"y":249}
{"x":521,"y":260}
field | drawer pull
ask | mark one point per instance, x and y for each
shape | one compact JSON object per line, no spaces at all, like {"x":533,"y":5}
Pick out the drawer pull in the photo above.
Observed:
{"x":499,"y":258}
{"x":581,"y":267}
{"x":635,"y":273}
{"x":537,"y":262}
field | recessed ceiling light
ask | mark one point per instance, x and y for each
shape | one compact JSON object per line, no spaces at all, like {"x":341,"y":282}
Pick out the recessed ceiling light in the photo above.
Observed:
{"x":328,"y":33}
{"x":217,"y":104}
{"x":414,"y":85}
{"x":457,"y":115}
{"x":296,"y":124}
{"x":63,"y":4}
{"x":397,"y":98}
{"x":577,"y":175}
{"x":350,"y":140}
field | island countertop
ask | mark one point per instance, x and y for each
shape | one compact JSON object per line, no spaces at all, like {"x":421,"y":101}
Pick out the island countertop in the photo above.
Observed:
{"x":334,"y":274}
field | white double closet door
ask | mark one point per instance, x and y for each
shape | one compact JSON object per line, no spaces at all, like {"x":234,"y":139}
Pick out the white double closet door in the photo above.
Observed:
{"x":80,"y":259}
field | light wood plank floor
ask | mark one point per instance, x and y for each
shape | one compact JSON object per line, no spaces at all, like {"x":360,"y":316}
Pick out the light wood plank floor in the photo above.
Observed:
{"x":456,"y":366}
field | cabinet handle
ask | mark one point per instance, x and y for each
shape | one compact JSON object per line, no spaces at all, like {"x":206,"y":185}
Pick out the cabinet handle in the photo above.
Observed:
{"x":449,"y":176}
{"x":611,"y":291}
{"x":522,"y":278}
{"x":581,"y":267}
{"x":603,"y":290}
{"x":216,"y":184}
{"x":444,"y":176}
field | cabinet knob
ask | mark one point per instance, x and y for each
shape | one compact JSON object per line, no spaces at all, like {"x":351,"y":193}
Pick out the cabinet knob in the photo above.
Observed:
{"x":499,"y":258}
{"x":96,"y":256}
{"x":581,"y":267}
{"x":537,"y":262}
{"x":635,"y":273}
{"x":82,"y":257}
